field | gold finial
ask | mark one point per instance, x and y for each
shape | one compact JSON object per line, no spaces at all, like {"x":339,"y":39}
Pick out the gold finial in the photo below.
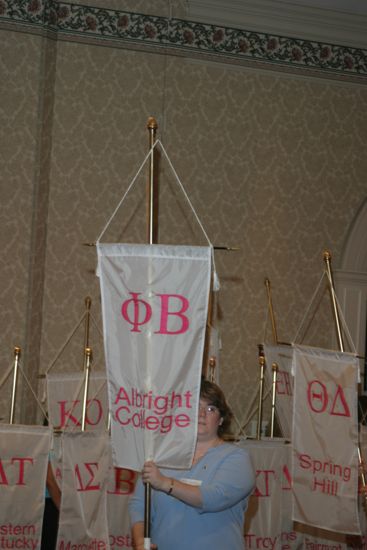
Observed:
{"x":261,"y":355}
{"x":88,"y":302}
{"x":17,"y":350}
{"x":88,"y":352}
{"x":152,"y":123}
{"x":274,"y":367}
{"x":327,"y":255}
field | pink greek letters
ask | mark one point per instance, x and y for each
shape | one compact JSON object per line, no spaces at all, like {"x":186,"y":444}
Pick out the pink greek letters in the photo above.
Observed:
{"x":319,"y":400}
{"x":17,"y":465}
{"x":171,"y":313}
{"x":85,"y":474}
{"x":124,"y":481}
{"x":70,"y":413}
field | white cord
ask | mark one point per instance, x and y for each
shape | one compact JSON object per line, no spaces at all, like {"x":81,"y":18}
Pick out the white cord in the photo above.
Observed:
{"x":344,"y":323}
{"x":150,"y":152}
{"x":308,"y":309}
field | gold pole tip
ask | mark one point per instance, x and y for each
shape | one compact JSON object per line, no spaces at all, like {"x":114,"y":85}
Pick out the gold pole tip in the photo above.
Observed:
{"x":88,"y":302}
{"x":17,"y":350}
{"x":152,"y":123}
{"x":327,"y":255}
{"x":274,"y":367}
{"x":88,"y":352}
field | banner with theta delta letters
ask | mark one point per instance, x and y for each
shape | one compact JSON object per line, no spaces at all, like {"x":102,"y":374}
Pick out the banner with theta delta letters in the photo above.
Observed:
{"x":23,"y":469}
{"x":325,"y":440}
{"x":154,"y":308}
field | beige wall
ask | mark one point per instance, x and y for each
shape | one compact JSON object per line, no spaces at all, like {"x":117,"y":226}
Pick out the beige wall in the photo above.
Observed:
{"x":273,"y":163}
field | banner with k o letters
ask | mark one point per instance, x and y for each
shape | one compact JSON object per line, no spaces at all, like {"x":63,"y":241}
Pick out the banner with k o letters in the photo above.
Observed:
{"x":154,"y":308}
{"x":283,"y":357}
{"x":65,"y":400}
{"x":325,"y":440}
{"x":23,"y":470}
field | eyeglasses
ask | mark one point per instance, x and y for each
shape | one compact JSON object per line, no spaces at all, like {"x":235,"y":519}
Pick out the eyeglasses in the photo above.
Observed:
{"x":207,"y":409}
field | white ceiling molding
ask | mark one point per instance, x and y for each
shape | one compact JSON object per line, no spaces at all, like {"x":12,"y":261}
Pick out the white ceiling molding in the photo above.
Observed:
{"x":338,"y":22}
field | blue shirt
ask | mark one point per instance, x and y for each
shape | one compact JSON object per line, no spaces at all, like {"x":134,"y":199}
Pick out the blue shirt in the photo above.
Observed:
{"x":227,"y":480}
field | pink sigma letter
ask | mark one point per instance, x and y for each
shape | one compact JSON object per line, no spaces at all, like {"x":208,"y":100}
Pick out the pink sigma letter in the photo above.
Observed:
{"x":163,"y":329}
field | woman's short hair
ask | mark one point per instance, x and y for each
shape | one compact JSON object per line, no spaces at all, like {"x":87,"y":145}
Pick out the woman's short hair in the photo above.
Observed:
{"x":214,"y":395}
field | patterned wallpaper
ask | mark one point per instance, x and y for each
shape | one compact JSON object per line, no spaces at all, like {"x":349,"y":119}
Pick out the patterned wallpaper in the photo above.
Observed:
{"x":273,"y":162}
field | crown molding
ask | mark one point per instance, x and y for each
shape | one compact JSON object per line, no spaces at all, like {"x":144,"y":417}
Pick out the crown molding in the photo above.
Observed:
{"x":192,"y":39}
{"x":342,"y":22}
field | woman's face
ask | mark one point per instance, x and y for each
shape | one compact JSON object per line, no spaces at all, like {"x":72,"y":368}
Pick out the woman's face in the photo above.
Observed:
{"x":208,"y":421}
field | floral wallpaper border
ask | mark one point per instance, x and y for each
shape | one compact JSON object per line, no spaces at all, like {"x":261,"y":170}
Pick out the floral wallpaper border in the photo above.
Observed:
{"x":183,"y":37}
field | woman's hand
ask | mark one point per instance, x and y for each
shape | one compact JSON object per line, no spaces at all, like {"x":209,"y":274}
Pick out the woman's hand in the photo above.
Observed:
{"x":151,"y":474}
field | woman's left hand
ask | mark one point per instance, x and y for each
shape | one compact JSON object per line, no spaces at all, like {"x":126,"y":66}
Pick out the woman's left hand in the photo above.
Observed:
{"x":152,"y":475}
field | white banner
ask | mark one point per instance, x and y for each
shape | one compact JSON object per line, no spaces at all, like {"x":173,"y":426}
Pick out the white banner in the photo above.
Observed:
{"x":23,"y":469}
{"x":282,"y":356}
{"x":83,"y":512}
{"x":264,"y":523}
{"x":65,"y":400}
{"x":121,"y":484}
{"x":154,"y":306}
{"x":325,"y":438}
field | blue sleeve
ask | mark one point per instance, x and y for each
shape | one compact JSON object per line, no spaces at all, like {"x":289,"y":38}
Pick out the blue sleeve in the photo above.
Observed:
{"x":136,"y":503}
{"x":232,"y":481}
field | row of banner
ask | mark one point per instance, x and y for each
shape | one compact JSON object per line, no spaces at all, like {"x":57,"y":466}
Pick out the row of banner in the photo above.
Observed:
{"x":317,"y":409}
{"x":154,"y":309}
{"x":318,"y":404}
{"x":95,"y":494}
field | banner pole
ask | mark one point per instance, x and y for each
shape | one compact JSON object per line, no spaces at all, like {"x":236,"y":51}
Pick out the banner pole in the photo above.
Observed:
{"x":15,"y":380}
{"x":152,"y":127}
{"x":88,"y":360}
{"x":271,"y":311}
{"x":274,"y":369}
{"x":87,"y":357}
{"x":88,"y":303}
{"x":327,"y":259}
{"x":261,"y":391}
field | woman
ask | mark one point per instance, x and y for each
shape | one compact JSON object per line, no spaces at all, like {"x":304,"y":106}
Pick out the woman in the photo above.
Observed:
{"x":201,"y":508}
